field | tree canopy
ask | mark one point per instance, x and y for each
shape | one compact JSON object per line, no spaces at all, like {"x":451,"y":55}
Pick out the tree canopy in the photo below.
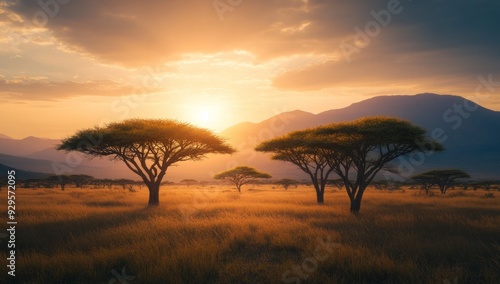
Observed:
{"x":356,"y":151}
{"x":442,"y":178}
{"x":368,"y":145}
{"x":286,"y":183}
{"x":147,"y":146}
{"x":241,"y":176}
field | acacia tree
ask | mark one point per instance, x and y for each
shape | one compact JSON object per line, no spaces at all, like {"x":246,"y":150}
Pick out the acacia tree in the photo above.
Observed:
{"x":441,"y":178}
{"x":368,"y":145}
{"x":241,"y":175}
{"x":286,"y":183}
{"x":356,"y":151}
{"x":81,"y":180}
{"x":299,"y":148}
{"x":148,"y":147}
{"x":61,"y":180}
{"x":338,"y":183}
{"x":189,"y":182}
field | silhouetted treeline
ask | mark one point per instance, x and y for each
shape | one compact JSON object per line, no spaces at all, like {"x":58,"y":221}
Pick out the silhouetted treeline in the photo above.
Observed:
{"x":78,"y":181}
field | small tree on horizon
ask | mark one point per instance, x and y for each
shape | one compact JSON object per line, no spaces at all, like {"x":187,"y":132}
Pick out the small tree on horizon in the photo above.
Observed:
{"x":189,"y":182}
{"x":148,"y":147}
{"x":442,"y":178}
{"x":241,"y":176}
{"x":61,"y":180}
{"x":80,"y":180}
{"x":338,"y":183}
{"x":286,"y":183}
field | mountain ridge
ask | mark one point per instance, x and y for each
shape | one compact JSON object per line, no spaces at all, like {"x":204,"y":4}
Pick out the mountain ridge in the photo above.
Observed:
{"x":471,"y":132}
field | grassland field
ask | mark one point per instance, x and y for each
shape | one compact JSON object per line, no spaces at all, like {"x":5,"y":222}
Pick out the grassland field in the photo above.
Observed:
{"x":261,"y":235}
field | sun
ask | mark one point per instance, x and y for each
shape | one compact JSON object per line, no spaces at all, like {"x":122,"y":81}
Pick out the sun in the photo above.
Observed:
{"x":206,"y":116}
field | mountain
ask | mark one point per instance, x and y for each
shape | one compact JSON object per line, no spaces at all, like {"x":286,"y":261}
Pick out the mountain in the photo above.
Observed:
{"x":469,"y":132}
{"x":99,"y":168}
{"x":20,"y":174}
{"x":26,"y":146}
{"x":39,"y":155}
{"x":3,"y":136}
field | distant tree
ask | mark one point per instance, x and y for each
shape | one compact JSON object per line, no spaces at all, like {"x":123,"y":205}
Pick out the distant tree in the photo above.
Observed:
{"x":241,"y":175}
{"x":32,"y":183}
{"x":189,"y":182}
{"x":286,"y":183}
{"x":360,"y":148}
{"x":485,"y":184}
{"x":124,"y":183}
{"x":60,"y":180}
{"x":442,"y":178}
{"x":103,"y":183}
{"x":148,"y":147}
{"x":386,"y":184}
{"x":338,"y":183}
{"x":81,"y":180}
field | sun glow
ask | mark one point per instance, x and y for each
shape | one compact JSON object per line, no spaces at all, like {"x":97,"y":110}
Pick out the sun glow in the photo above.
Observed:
{"x":207,"y":116}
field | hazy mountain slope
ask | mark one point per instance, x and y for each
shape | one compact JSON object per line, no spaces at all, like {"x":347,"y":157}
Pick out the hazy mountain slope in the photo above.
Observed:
{"x":471,"y":135}
{"x":20,"y":174}
{"x":26,"y":146}
{"x":111,"y":170}
{"x":472,"y":132}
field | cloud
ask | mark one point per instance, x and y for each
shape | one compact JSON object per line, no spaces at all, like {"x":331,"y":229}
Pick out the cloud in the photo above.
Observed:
{"x":135,"y":33}
{"x":431,"y":46}
{"x":40,"y":89}
{"x":426,"y":43}
{"x":450,"y":69}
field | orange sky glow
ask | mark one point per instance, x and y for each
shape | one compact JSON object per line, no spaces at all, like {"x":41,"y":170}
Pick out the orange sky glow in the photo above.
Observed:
{"x":67,"y":65}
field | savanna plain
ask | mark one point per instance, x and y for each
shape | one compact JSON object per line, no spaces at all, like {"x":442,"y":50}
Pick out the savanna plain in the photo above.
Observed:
{"x":265,"y":234}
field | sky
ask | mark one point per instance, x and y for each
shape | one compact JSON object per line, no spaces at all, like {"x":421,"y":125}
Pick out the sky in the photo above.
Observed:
{"x":66,"y":65}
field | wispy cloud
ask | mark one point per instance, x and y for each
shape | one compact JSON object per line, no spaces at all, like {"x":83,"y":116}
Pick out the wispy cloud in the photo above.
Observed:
{"x":40,"y":89}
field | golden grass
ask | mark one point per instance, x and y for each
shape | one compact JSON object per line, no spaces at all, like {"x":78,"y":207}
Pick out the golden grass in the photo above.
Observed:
{"x":215,"y":235}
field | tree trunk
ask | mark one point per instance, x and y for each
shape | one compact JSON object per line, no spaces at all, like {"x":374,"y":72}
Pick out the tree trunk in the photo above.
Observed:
{"x":319,"y":197}
{"x":356,"y":201}
{"x":354,"y":206}
{"x":443,"y":189}
{"x":319,"y":192}
{"x":238,"y":187}
{"x":154,"y":194}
